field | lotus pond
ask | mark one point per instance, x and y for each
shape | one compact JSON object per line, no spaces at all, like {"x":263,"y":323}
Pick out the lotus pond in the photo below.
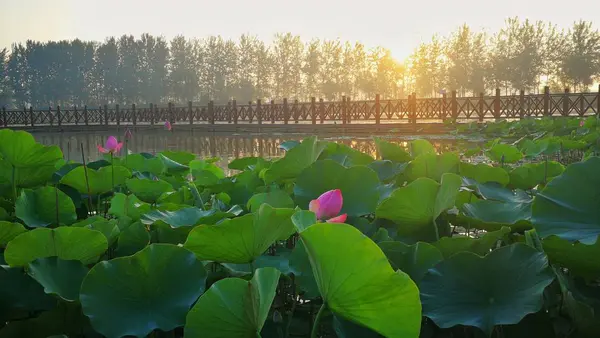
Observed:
{"x":325,"y":241}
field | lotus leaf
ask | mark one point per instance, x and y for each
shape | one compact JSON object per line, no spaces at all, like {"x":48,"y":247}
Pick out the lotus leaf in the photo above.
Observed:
{"x":484,"y":173}
{"x":8,"y":231}
{"x":414,"y":259}
{"x":187,"y":217}
{"x":420,"y":147}
{"x":21,"y":150}
{"x":504,"y":153}
{"x":481,"y":246}
{"x":100,"y":181}
{"x":392,"y":152}
{"x":148,"y":190}
{"x":45,"y":206}
{"x":234,"y":307}
{"x":153,"y":289}
{"x":294,"y":161}
{"x":432,"y":166}
{"x":59,"y":277}
{"x":275,"y":198}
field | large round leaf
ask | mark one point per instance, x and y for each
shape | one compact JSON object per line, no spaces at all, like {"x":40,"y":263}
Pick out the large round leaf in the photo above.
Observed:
{"x":20,"y":149}
{"x":295,"y":160}
{"x":484,"y":173}
{"x":498,"y":289}
{"x":358,"y":184}
{"x":568,"y":207}
{"x":580,"y":259}
{"x":187,"y":217}
{"x":391,"y":152}
{"x":414,"y":259}
{"x":432,"y":166}
{"x":100,"y":181}
{"x":59,"y":277}
{"x":148,"y":190}
{"x":8,"y":231}
{"x":122,"y":205}
{"x":153,"y":289}
{"x":242,"y":239}
{"x":26,"y":177}
{"x":233,"y":307}
{"x":19,"y":292}
{"x":66,"y":243}
{"x":302,"y":270}
{"x":419,"y":203}
{"x":530,"y":175}
{"x":345,"y":155}
{"x":141,"y":163}
{"x":420,"y":147}
{"x":133,"y":239}
{"x":504,"y":152}
{"x":449,"y":246}
{"x":45,"y":206}
{"x":492,"y":215}
{"x":275,"y":198}
{"x":357,"y":282}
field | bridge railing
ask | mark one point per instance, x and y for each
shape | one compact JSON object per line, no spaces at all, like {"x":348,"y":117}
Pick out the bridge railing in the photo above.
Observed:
{"x":346,"y":111}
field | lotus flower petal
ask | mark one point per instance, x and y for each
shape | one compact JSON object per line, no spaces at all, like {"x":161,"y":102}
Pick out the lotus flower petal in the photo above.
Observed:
{"x":128,"y":134}
{"x":111,"y":143}
{"x":338,"y":219}
{"x":330,"y":204}
{"x":102,"y":149}
{"x":168,"y":125}
{"x":118,"y":147}
{"x":315,"y":207}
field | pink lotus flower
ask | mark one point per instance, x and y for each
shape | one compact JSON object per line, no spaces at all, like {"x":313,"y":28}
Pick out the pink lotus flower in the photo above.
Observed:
{"x":112,"y":146}
{"x":581,"y":123}
{"x":327,"y":207}
{"x":168,"y":126}
{"x":128,"y":134}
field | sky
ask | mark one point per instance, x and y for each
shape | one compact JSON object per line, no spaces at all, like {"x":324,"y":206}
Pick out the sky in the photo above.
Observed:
{"x":397,"y":25}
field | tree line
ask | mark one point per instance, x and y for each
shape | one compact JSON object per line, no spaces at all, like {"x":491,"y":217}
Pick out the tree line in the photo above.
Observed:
{"x":149,"y":69}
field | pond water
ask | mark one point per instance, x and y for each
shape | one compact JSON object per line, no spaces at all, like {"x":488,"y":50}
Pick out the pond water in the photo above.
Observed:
{"x":224,"y":146}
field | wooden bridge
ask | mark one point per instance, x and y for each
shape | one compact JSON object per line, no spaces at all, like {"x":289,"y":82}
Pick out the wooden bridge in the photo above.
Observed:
{"x":379,"y":112}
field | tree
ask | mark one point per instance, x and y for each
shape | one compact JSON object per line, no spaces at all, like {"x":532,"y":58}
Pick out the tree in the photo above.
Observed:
{"x":581,"y":61}
{"x":5,"y":88}
{"x":312,"y":69}
{"x":106,"y":72}
{"x":287,"y":65}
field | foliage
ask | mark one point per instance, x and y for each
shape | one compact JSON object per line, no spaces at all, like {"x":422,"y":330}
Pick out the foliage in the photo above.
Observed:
{"x":432,"y":246}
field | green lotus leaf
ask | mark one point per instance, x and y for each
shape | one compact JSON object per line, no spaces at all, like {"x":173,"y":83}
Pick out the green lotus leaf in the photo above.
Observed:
{"x":45,"y":206}
{"x":492,"y":215}
{"x":568,"y":205}
{"x":172,"y":166}
{"x":275,"y":198}
{"x":303,"y":274}
{"x":21,"y":150}
{"x":141,"y":163}
{"x":387,"y":170}
{"x":357,"y":282}
{"x":302,"y":219}
{"x":581,"y":303}
{"x":288,"y":145}
{"x":204,"y":166}
{"x":294,"y":161}
{"x":420,"y":147}
{"x":66,"y":243}
{"x":467,"y":289}
{"x":347,"y":329}
{"x":530,"y":175}
{"x":100,"y":181}
{"x":392,"y":152}
{"x":59,"y":277}
{"x":133,"y":239}
{"x":420,"y":202}
{"x":359,"y":186}
{"x":19,"y":292}
{"x":580,"y":259}
{"x":344,"y":155}
{"x":8,"y":231}
{"x":432,"y":166}
{"x":122,"y":205}
{"x":26,"y":177}
{"x":449,"y":246}
{"x":279,"y":261}
{"x":484,"y":173}
{"x":188,"y":217}
{"x":243,"y":163}
{"x":181,"y":157}
{"x":511,"y":154}
{"x":109,"y":228}
{"x":148,"y":190}
{"x":242,"y":239}
{"x":134,"y":295}
{"x":233,"y":307}
{"x":414,"y":259}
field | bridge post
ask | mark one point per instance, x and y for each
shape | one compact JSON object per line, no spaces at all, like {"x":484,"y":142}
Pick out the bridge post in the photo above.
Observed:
{"x":228,"y":111}
{"x":4,"y":119}
{"x":444,"y":107}
{"x":133,"y":114}
{"x":566,"y":103}
{"x":522,"y":104}
{"x":546,"y":111}
{"x":118,"y":114}
{"x":597,"y":102}
{"x":259,"y":116}
{"x":377,"y":109}
{"x":454,"y":107}
{"x":413,"y":108}
{"x":85,"y":115}
{"x":152,"y":114}
{"x":170,"y":113}
{"x":211,"y":112}
{"x":58,"y":117}
{"x":75,"y":114}
{"x":235,"y":112}
{"x":250,"y":115}
{"x":497,"y":104}
{"x":272,"y":112}
{"x":106,"y":114}
{"x":313,"y":110}
{"x":190,"y":112}
{"x":481,"y":107}
{"x":348,"y":111}
{"x":344,"y":109}
{"x":321,"y":110}
{"x":296,"y":111}
{"x":31,"y":115}
{"x":286,"y":111}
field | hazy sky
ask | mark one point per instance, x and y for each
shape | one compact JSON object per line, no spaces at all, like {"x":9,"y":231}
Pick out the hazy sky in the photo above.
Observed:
{"x":394,"y":24}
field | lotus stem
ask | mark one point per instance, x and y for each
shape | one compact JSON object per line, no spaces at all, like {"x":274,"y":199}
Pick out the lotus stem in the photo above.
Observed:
{"x":315,"y":328}
{"x":112,"y":169}
{"x":87,"y":180}
{"x":436,"y":231}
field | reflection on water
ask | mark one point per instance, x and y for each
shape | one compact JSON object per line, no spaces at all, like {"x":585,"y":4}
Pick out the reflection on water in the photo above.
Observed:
{"x":224,"y":146}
